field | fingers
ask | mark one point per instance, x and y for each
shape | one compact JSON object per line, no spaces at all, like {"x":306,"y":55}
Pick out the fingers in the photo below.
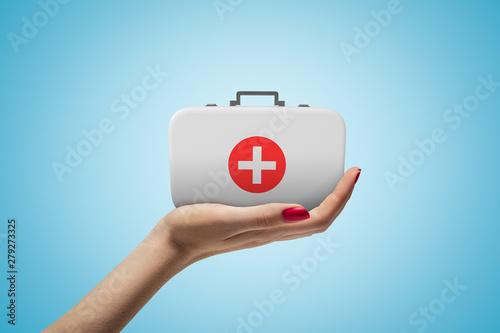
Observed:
{"x":335,"y":202}
{"x":330,"y":206}
{"x":207,"y":229}
{"x":295,"y":236}
{"x":268,"y":216}
{"x":272,"y":221}
{"x":322,"y":216}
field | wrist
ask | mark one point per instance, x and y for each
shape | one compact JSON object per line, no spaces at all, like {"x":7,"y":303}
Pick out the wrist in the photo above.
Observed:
{"x":168,"y":255}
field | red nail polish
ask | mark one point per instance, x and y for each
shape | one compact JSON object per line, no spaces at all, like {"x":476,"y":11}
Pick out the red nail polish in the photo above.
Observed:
{"x":357,"y":176}
{"x":295,"y":214}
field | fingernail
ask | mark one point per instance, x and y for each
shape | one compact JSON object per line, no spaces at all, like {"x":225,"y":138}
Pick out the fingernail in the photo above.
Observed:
{"x":357,"y":176}
{"x":295,"y":214}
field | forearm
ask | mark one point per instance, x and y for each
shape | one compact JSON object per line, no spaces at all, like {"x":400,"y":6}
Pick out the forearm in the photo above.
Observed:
{"x":188,"y":234}
{"x":122,"y":293}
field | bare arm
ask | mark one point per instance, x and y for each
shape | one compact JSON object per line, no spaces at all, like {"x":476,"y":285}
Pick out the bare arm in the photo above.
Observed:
{"x":186,"y":235}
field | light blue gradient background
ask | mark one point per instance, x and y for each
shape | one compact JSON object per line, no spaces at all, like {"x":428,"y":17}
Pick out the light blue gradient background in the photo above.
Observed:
{"x":396,"y":247}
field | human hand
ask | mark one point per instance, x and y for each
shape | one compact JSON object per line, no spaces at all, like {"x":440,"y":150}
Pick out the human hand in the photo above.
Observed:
{"x":202,"y":230}
{"x":186,"y":235}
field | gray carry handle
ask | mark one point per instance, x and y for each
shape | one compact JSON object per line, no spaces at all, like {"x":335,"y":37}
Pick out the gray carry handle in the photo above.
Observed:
{"x":253,"y":93}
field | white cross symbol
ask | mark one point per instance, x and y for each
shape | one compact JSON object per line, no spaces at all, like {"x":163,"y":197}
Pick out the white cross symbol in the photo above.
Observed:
{"x":257,"y":165}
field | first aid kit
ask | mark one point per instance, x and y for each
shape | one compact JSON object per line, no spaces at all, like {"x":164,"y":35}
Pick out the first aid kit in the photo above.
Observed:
{"x":250,"y":155}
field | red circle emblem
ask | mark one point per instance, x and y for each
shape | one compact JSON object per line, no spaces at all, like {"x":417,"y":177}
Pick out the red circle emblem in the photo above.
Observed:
{"x":257,"y":164}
